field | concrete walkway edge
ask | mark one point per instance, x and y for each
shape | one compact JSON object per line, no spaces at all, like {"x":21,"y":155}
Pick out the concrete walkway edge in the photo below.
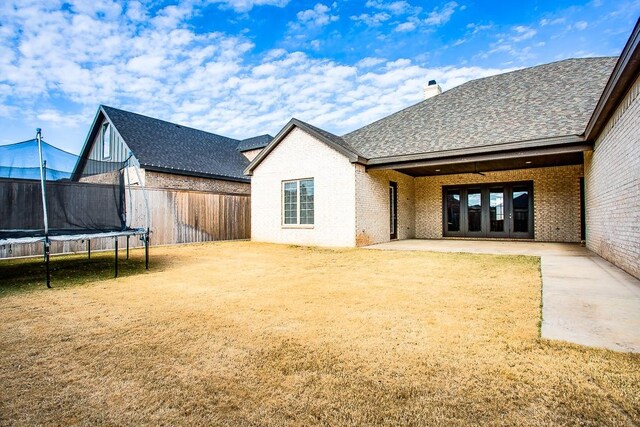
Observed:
{"x":585,"y":299}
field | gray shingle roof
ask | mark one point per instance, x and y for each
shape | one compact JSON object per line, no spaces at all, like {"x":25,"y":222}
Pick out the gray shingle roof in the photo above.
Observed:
{"x":337,"y":140}
{"x":545,"y":101}
{"x":167,"y":146}
{"x":254,"y":143}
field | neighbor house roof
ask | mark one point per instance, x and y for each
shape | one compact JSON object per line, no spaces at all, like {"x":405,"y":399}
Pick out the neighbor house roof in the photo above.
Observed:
{"x":254,"y":143}
{"x":543,"y":102}
{"x":168,"y":147}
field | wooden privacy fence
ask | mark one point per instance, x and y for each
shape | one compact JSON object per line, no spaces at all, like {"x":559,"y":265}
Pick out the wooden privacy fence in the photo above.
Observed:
{"x":177,"y":216}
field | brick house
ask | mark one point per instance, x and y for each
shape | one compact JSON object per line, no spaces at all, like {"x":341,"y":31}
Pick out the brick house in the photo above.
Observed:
{"x":548,"y":153}
{"x":170,"y":155}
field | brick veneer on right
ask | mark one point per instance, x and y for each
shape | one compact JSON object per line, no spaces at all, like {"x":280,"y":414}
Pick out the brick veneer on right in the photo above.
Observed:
{"x":612,"y":187}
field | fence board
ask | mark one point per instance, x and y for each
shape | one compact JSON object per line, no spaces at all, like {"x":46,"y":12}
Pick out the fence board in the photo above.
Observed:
{"x":177,"y":216}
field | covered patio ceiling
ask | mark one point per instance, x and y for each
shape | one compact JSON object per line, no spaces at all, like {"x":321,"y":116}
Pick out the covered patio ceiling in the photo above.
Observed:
{"x":500,"y":161}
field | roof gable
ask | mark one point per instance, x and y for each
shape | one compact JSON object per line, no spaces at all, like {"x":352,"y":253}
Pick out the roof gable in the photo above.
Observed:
{"x":333,"y":141}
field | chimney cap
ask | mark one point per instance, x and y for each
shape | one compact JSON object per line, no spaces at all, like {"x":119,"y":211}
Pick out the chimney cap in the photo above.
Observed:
{"x":431,"y":82}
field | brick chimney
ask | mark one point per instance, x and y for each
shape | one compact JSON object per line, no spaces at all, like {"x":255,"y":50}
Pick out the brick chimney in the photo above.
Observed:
{"x":432,"y":89}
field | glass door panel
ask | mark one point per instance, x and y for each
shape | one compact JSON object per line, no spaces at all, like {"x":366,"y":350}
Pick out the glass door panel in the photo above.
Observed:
{"x":521,"y":210}
{"x":496,"y":210}
{"x":453,"y":210}
{"x":474,"y":210}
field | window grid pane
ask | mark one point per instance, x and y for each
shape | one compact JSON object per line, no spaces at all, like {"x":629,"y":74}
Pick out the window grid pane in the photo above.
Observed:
{"x":306,"y":201}
{"x":290,"y":202}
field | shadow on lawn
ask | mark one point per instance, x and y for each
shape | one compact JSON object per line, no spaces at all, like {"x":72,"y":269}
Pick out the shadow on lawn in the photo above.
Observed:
{"x":29,"y":274}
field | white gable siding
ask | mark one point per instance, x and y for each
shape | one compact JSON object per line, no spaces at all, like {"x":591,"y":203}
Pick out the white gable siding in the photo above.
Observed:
{"x":298,"y":156}
{"x":119,"y":149}
{"x":118,"y":153}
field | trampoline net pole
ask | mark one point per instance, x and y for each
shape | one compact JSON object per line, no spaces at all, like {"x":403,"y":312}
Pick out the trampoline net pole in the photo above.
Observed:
{"x":42,"y":182}
{"x":116,"y":258}
{"x":46,"y":261}
{"x":146,"y":250}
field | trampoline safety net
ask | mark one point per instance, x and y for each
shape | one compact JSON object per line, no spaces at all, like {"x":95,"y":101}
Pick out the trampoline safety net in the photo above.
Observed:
{"x":83,"y":197}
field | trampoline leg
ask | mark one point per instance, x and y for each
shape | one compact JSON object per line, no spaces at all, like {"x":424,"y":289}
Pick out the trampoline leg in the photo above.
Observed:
{"x":146,"y":251}
{"x":46,"y":262}
{"x":88,"y":249}
{"x":127,"y":247}
{"x":116,"y":262}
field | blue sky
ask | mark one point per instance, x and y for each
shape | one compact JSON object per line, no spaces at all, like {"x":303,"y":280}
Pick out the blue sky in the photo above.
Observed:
{"x":245,"y":67}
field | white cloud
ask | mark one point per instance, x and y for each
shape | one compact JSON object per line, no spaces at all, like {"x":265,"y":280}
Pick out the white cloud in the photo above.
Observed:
{"x":212,"y":81}
{"x":440,"y":16}
{"x":61,"y":119}
{"x":581,"y":25}
{"x":406,"y":26}
{"x":523,"y":33}
{"x":548,"y":21}
{"x":319,"y":16}
{"x":476,"y":28}
{"x":369,"y":62}
{"x":247,"y":5}
{"x":373,"y":20}
{"x":395,"y":7}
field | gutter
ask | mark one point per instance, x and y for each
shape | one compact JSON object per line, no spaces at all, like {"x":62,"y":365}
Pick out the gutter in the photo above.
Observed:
{"x":496,"y":148}
{"x":517,"y":154}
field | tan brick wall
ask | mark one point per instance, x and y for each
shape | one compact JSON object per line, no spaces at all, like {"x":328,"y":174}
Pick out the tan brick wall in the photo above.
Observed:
{"x":299,"y":155}
{"x":556,"y":200}
{"x":612,"y":187}
{"x":182,"y":182}
{"x":102,"y":178}
{"x":372,"y":206}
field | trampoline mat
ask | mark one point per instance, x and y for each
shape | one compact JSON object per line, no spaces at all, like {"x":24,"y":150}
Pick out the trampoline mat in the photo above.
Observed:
{"x":32,"y":236}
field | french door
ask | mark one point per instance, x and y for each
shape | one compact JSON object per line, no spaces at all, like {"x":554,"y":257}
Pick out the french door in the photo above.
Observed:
{"x":489,"y":210}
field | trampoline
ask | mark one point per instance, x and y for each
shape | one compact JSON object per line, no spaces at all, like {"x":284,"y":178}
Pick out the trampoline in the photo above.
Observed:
{"x":50,"y":195}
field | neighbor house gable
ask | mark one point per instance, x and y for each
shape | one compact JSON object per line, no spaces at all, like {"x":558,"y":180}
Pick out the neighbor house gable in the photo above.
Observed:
{"x":93,"y":149}
{"x":321,"y":135}
{"x":167,"y":147}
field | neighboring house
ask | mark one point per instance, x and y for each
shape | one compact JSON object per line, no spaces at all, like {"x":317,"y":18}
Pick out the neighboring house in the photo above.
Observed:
{"x":170,"y":155}
{"x":512,"y":156}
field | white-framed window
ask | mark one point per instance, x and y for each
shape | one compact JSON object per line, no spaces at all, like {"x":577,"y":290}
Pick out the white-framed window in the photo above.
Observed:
{"x":297,"y":202}
{"x":106,"y":141}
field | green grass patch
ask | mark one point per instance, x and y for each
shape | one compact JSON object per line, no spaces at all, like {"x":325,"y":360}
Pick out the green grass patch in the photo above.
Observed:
{"x":29,"y":274}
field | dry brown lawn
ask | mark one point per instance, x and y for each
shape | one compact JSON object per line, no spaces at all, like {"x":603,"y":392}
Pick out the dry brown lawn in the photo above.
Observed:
{"x":254,"y":334}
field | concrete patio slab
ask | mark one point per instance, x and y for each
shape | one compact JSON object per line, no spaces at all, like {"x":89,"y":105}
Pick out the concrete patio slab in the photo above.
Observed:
{"x":585,"y":299}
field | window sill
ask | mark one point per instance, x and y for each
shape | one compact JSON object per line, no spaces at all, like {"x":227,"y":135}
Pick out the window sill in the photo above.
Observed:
{"x":301,"y":226}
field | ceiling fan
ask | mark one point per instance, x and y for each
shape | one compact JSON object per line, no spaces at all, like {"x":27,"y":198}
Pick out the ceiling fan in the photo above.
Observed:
{"x":475,"y":169}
